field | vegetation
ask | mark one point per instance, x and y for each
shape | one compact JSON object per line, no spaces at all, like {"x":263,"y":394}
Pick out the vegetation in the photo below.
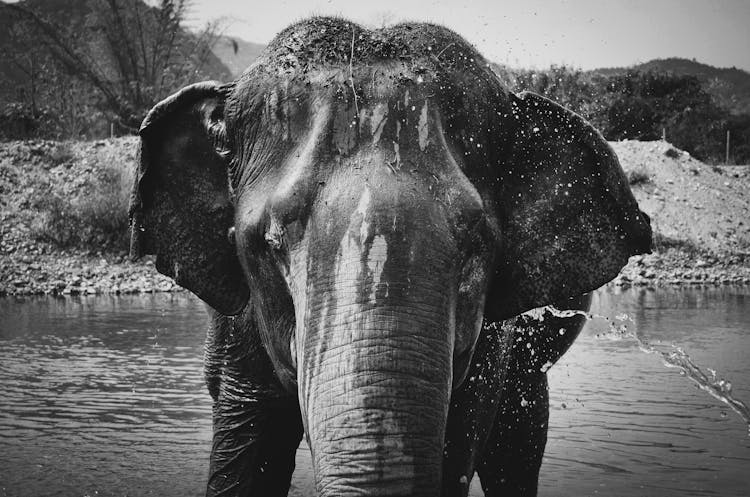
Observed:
{"x":729,"y":87}
{"x":93,"y":215}
{"x":638,"y":177}
{"x":644,"y":106}
{"x":61,"y":154}
{"x":663,"y":243}
{"x":113,"y":59}
{"x":109,"y":62}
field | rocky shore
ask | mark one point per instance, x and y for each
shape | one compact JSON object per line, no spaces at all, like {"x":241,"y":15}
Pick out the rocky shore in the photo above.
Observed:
{"x":80,"y":274}
{"x":700,"y":213}
{"x":677,"y":269}
{"x":30,"y":267}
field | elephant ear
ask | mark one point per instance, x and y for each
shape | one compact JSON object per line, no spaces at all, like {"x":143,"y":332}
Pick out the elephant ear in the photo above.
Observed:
{"x":568,"y":219}
{"x":181,"y":208}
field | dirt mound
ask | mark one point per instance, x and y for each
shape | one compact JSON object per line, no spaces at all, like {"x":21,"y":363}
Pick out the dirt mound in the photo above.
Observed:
{"x":700,"y":215}
{"x":689,"y":201}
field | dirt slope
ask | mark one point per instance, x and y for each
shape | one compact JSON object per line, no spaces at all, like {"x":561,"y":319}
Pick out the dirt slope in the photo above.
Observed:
{"x":708,"y":206}
{"x":700,"y":215}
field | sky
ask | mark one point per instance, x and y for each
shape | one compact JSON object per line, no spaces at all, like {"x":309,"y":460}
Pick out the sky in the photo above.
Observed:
{"x":585,"y":34}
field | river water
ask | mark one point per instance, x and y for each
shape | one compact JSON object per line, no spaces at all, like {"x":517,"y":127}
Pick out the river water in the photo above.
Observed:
{"x":104,"y":396}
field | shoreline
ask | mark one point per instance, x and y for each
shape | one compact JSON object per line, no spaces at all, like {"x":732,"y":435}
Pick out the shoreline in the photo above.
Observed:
{"x":677,"y":269}
{"x":77,"y":274}
{"x":65,"y":273}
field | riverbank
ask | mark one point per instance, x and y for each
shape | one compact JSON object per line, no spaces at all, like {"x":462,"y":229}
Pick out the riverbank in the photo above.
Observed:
{"x":63,"y":220}
{"x":700,"y":214}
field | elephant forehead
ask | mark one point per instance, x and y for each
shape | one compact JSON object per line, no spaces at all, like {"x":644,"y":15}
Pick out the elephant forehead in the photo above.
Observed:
{"x":303,"y":130}
{"x":401,"y":136}
{"x":385,"y":88}
{"x":330,"y":40}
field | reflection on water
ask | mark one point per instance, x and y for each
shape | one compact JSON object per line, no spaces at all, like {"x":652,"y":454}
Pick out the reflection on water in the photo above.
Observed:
{"x":105,"y":396}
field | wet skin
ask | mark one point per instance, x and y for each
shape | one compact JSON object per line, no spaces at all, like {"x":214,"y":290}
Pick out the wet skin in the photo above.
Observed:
{"x":366,"y":212}
{"x":497,"y":421}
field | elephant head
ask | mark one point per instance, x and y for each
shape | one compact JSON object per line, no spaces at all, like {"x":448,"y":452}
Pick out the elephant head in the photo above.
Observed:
{"x":374,"y":196}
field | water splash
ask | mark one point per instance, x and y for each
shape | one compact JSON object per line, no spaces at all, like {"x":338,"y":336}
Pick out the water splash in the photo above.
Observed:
{"x":718,"y":388}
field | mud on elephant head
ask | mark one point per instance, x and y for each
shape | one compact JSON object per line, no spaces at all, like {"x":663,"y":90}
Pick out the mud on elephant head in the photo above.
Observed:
{"x":373,"y":196}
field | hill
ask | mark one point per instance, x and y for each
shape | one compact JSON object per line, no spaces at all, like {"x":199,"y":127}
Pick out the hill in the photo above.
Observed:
{"x":729,"y":86}
{"x":237,"y":54}
{"x":60,"y":203}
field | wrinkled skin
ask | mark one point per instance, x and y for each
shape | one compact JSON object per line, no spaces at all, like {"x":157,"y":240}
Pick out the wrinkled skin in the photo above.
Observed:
{"x":365,"y":213}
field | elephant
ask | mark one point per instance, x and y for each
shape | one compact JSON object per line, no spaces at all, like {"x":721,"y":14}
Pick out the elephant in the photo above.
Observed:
{"x":368,"y":215}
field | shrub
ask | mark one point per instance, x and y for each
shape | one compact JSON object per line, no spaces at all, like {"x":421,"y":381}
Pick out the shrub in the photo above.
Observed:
{"x":96,"y":218}
{"x":640,"y":105}
{"x":63,"y":152}
{"x":672,"y":153}
{"x":638,"y":177}
{"x":663,"y":243}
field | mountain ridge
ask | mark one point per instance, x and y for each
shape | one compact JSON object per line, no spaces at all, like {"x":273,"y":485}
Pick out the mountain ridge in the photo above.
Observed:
{"x":237,"y":54}
{"x":730,"y":86}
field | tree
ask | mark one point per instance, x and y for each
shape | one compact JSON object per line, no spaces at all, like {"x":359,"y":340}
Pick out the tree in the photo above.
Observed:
{"x":130,"y":53}
{"x":639,"y":105}
{"x":40,"y":98}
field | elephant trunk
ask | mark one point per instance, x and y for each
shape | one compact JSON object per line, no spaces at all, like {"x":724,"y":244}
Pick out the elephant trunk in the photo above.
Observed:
{"x":375,"y":370}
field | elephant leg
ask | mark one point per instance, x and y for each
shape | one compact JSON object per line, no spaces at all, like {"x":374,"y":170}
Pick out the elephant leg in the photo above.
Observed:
{"x":513,"y":453}
{"x":254,"y":447}
{"x":472,"y":410}
{"x":257,"y":425}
